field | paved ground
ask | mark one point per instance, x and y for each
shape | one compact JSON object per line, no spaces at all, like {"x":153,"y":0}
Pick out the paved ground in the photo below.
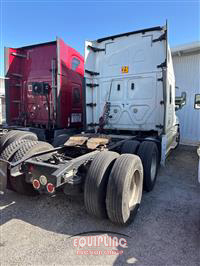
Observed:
{"x":166,"y":231}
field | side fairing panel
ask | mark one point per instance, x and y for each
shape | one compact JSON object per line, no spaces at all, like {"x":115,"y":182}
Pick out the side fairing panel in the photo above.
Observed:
{"x":69,"y":91}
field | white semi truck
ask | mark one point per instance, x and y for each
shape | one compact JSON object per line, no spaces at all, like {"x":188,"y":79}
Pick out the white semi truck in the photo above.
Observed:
{"x":130,"y":128}
{"x":132,"y":86}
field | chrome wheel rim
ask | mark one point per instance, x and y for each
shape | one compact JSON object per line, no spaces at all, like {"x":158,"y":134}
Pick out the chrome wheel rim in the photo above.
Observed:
{"x":133,"y":189}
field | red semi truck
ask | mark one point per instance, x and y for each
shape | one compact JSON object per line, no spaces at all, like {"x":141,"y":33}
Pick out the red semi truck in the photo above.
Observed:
{"x":44,"y":89}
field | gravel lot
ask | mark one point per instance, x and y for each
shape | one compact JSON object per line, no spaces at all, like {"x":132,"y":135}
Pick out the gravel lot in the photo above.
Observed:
{"x":166,"y":231}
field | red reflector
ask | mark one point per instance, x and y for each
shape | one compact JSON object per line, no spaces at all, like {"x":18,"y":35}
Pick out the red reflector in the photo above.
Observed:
{"x":36,"y":184}
{"x":50,"y":188}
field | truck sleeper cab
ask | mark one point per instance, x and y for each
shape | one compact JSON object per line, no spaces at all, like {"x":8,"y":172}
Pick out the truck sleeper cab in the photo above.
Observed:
{"x":44,"y":88}
{"x":131,"y":85}
{"x":130,"y":126}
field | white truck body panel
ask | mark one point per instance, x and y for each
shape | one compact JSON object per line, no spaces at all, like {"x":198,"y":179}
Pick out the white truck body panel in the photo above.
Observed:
{"x":123,"y":71}
{"x":134,"y":96}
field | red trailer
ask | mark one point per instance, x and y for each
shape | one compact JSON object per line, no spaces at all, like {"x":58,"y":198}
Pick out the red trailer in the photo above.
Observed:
{"x":44,"y":88}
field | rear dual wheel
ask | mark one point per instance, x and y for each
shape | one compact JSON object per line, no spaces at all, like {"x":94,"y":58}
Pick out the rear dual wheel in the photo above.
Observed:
{"x":113,"y":186}
{"x":124,"y":190}
{"x":96,"y":183}
{"x":148,"y":153}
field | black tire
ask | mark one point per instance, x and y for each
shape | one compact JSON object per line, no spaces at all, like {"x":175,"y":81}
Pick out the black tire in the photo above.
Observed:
{"x":130,"y":146}
{"x":60,"y":140}
{"x":5,"y":137}
{"x":19,"y":183}
{"x":7,"y":155}
{"x":11,"y":149}
{"x":32,"y":147}
{"x":14,"y":135}
{"x":124,"y":189}
{"x":96,"y":183}
{"x":149,"y":154}
{"x":20,"y":135}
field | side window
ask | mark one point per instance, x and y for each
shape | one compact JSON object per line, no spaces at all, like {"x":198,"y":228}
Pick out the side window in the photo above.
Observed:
{"x":75,"y":63}
{"x":76,"y":96}
{"x":197,"y":101}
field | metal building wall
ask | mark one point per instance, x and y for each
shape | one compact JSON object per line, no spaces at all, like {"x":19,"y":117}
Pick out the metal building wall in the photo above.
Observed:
{"x":187,"y":74}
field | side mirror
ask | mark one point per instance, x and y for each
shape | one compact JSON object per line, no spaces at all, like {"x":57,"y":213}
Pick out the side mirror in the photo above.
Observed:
{"x":180,"y":101}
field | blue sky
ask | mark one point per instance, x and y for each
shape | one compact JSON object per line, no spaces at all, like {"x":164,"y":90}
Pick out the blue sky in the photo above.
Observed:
{"x":26,"y":22}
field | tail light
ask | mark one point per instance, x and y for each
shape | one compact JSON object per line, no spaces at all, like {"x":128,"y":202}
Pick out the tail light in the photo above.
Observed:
{"x":36,"y":184}
{"x":50,"y":188}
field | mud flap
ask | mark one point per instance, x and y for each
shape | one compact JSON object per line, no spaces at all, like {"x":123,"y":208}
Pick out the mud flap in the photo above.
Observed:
{"x":3,"y":176}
